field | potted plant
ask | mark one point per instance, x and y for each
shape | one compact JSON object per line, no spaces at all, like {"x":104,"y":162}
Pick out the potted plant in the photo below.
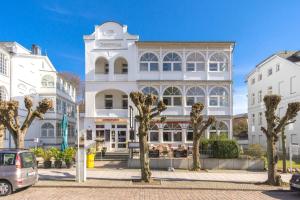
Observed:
{"x":38,"y":151}
{"x":58,"y":156}
{"x":68,"y":155}
{"x":47,"y":155}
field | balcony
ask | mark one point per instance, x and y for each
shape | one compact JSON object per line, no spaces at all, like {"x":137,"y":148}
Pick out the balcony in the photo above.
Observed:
{"x":219,"y":110}
{"x":121,"y":113}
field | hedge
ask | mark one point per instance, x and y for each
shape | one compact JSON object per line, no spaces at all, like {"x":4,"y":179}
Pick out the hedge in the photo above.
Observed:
{"x":220,"y":148}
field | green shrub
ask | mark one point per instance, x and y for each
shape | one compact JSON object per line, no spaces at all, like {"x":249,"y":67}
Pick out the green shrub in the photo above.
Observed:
{"x":69,"y":154}
{"x":225,"y":149}
{"x":56,"y":153}
{"x":47,"y":154}
{"x":219,"y":147}
{"x":255,"y":150}
{"x":38,"y":152}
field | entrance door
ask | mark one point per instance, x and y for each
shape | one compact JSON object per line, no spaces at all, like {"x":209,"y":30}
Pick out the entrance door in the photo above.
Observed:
{"x":118,"y":140}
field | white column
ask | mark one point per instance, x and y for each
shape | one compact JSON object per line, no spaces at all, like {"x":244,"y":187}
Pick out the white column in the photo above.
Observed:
{"x":184,"y":130}
{"x":183,"y":99}
{"x":160,"y":135}
{"x":111,"y":70}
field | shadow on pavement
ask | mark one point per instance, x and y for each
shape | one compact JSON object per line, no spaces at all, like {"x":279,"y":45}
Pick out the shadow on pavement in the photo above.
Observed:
{"x":283,"y":195}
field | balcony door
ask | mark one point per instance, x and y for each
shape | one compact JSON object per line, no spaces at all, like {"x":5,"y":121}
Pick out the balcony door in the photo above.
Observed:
{"x":118,"y":140}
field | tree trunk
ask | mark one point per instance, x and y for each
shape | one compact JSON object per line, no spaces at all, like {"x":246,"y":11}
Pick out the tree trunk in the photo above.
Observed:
{"x":283,"y":137}
{"x":2,"y":135}
{"x":144,"y":155}
{"x":20,"y":140}
{"x":273,"y":176}
{"x":196,"y":153}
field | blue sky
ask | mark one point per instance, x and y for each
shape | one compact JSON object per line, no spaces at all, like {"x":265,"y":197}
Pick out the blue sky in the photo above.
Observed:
{"x":258,"y":27}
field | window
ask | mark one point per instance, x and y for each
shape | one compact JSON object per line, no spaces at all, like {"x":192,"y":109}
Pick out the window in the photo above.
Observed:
{"x":3,"y":64}
{"x":172,"y":96}
{"x":124,"y":101}
{"x":108,"y":101}
{"x":172,"y":62}
{"x":277,"y":67}
{"x":3,"y":94}
{"x":58,"y":129}
{"x":195,"y":95}
{"x":7,"y":159}
{"x":153,"y":133}
{"x":64,"y":107}
{"x":172,"y":132}
{"x":189,"y":134}
{"x":260,"y":119}
{"x":253,"y":119}
{"x":195,"y":62}
{"x":48,"y":81}
{"x":259,"y":77}
{"x":270,"y":71}
{"x":218,"y":129}
{"x":259,"y":100}
{"x":58,"y":106}
{"x":47,"y":130}
{"x":27,"y":159}
{"x":293,"y":84}
{"x":213,"y":132}
{"x":101,"y":66}
{"x":280,"y":88}
{"x":150,"y":90}
{"x":253,"y":81}
{"x":252,"y":99}
{"x":149,"y":62}
{"x":121,"y":66}
{"x":218,"y":97}
{"x":218,"y":63}
{"x":89,"y":135}
{"x":269,"y":91}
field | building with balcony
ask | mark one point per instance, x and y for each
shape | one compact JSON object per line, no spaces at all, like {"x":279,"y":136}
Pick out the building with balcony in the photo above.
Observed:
{"x":179,"y":73}
{"x":29,"y":73}
{"x":278,"y":74}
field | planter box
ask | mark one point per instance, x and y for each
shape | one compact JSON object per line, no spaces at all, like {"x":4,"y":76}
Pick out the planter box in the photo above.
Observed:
{"x":206,"y":163}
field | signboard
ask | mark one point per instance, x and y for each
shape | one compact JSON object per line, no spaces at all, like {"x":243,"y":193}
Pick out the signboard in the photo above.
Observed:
{"x":133,"y":145}
{"x":112,"y":120}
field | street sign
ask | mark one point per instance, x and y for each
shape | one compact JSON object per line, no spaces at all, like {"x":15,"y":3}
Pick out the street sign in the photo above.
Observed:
{"x":133,"y":145}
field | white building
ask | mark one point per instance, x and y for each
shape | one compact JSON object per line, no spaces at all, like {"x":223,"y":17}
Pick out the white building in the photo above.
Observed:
{"x":278,"y":74}
{"x":24,"y":72}
{"x":179,"y":73}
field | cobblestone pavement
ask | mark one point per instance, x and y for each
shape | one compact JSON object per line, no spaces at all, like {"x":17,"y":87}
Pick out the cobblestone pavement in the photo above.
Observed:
{"x":166,"y":190}
{"x":237,"y":176}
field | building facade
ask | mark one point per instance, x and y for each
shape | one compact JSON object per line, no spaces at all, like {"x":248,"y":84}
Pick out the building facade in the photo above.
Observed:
{"x":278,"y":74}
{"x":29,"y":73}
{"x":179,"y":73}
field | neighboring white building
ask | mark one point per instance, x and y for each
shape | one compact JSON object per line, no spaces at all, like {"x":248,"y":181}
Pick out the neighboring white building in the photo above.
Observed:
{"x":179,"y":73}
{"x":24,"y":72}
{"x":278,"y":74}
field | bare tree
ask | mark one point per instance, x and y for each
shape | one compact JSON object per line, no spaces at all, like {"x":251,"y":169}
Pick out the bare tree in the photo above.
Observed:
{"x":148,"y":109}
{"x":199,"y":126}
{"x":283,"y":141}
{"x":10,"y":119}
{"x":76,"y":82}
{"x":2,"y":134}
{"x":274,"y":127}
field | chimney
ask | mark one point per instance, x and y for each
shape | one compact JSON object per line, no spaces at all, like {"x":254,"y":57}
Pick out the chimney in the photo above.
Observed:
{"x":36,"y":50}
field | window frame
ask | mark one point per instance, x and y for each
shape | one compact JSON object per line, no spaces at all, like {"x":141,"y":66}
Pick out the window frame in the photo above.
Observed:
{"x":218,"y":63}
{"x":195,"y":96}
{"x":195,"y":62}
{"x":3,"y":64}
{"x":149,"y":62}
{"x":172,"y":62}
{"x":172,"y":97}
{"x":219,"y":98}
{"x":48,"y":129}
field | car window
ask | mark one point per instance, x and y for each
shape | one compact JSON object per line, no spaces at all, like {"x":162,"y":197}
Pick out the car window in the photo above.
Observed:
{"x":27,"y":159}
{"x":7,"y":159}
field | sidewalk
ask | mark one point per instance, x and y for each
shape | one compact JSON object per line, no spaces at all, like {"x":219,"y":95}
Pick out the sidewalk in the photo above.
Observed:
{"x":232,"y":176}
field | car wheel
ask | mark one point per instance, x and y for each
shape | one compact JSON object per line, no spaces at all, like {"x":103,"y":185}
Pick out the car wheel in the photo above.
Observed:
{"x":5,"y":188}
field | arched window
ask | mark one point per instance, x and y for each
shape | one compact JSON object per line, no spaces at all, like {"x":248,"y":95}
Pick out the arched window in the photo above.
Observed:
{"x":219,"y":129}
{"x":223,"y":130}
{"x":172,"y":97}
{"x":195,"y":95}
{"x":218,"y":63}
{"x":150,"y":90}
{"x":3,"y":64}
{"x":172,"y":133}
{"x":172,"y":62}
{"x":3,"y":94}
{"x":218,"y":97}
{"x":47,"y":81}
{"x":121,"y":66}
{"x":47,"y":130}
{"x":101,"y":66}
{"x":153,"y":133}
{"x":195,"y":62}
{"x":149,"y":62}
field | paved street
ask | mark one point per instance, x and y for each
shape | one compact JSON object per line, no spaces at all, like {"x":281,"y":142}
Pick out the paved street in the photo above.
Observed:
{"x":166,"y":190}
{"x":236,"y":176}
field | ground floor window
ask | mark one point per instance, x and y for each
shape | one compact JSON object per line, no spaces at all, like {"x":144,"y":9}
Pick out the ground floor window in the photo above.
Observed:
{"x":153,"y":133}
{"x":189,"y":134}
{"x":89,"y":135}
{"x":219,"y":129}
{"x":172,"y":132}
{"x":47,"y":130}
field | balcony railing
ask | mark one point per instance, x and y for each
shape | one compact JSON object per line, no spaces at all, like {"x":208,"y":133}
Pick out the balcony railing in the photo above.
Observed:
{"x":111,"y":113}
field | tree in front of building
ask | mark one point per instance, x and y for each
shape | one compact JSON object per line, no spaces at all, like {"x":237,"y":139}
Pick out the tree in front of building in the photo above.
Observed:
{"x":274,"y":127}
{"x":199,"y":125}
{"x":148,"y":108}
{"x":9,"y":117}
